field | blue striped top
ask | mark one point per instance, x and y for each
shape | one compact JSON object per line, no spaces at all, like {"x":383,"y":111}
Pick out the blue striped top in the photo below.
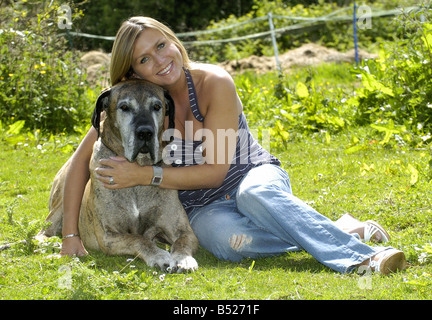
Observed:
{"x":249,"y":154}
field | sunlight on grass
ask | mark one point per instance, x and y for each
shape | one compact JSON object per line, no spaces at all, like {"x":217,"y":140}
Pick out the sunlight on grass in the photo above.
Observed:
{"x":331,"y":180}
{"x":336,"y":170}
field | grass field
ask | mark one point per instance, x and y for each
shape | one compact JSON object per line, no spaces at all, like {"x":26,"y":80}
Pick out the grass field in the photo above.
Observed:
{"x":372,"y":184}
{"x":391,"y":185}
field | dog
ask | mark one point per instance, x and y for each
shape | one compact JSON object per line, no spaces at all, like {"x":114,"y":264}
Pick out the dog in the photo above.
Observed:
{"x":130,"y":221}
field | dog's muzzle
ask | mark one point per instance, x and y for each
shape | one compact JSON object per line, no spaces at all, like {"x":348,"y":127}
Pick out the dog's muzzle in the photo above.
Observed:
{"x":145,"y":141}
{"x":144,"y":135}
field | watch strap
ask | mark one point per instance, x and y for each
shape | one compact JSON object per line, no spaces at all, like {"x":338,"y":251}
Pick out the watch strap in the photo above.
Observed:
{"x":157,"y":176}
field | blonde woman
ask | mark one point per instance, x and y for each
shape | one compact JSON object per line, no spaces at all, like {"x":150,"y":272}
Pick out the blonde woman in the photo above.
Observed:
{"x":237,"y":197}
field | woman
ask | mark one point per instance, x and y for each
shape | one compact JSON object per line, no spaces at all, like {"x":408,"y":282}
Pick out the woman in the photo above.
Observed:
{"x":237,"y":197}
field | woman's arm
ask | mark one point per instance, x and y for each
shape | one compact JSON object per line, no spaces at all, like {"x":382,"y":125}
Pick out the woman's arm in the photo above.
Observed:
{"x":76,"y":180}
{"x":220,"y":124}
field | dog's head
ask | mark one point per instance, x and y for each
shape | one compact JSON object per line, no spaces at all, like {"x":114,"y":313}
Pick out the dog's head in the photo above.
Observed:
{"x":135,"y":115}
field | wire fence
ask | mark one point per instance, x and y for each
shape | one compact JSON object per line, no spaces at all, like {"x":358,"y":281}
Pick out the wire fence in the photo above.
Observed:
{"x":363,"y":13}
{"x":304,"y":24}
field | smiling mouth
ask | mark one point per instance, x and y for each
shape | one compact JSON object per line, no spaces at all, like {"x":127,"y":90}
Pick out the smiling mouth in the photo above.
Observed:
{"x":166,"y":71}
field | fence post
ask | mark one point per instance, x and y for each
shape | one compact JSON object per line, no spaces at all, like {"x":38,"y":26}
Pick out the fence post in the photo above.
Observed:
{"x":273,"y":37}
{"x":355,"y":34}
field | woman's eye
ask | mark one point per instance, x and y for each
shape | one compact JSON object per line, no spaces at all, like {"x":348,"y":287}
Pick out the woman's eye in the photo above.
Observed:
{"x":161,"y":46}
{"x":144,"y":60}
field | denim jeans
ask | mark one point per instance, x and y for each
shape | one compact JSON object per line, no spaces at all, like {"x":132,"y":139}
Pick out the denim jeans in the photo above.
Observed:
{"x":263,"y":218}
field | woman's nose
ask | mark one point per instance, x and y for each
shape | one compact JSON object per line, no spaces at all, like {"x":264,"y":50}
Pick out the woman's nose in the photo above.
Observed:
{"x":159,"y":59}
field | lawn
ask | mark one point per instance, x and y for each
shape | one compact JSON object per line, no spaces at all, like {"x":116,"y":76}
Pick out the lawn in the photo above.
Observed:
{"x":389,"y":185}
{"x":354,"y":139}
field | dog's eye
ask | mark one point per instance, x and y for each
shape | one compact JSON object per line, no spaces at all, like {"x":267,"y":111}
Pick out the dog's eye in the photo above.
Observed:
{"x":124,"y":107}
{"x":157,"y":107}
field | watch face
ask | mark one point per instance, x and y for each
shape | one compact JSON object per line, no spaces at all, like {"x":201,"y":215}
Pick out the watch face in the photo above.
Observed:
{"x":157,"y":180}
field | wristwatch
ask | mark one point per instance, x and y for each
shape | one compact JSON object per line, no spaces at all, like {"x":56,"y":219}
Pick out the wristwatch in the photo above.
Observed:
{"x":157,"y":176}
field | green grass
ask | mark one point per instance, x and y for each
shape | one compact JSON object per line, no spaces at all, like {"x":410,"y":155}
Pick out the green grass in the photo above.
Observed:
{"x":374,"y":183}
{"x":344,"y":171}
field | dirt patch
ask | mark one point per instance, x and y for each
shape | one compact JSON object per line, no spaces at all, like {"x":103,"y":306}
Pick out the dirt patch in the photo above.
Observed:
{"x":307,"y":54}
{"x":97,"y":62}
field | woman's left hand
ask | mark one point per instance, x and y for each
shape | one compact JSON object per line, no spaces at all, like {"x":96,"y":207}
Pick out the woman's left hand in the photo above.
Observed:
{"x":117,"y":173}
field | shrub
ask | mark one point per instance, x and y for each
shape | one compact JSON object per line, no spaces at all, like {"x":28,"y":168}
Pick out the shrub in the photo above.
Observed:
{"x":397,"y":91}
{"x":41,"y":81}
{"x":307,"y":101}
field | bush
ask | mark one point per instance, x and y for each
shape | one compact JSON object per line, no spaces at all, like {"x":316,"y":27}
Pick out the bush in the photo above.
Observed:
{"x":307,"y":101}
{"x":41,"y":81}
{"x":397,"y":90}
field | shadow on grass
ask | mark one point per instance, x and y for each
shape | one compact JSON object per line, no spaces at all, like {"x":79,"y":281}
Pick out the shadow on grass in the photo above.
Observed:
{"x":299,"y":261}
{"x":290,"y":261}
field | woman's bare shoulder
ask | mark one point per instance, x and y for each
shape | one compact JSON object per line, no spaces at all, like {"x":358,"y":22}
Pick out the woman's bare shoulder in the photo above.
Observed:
{"x":218,"y":86}
{"x":210,"y":72}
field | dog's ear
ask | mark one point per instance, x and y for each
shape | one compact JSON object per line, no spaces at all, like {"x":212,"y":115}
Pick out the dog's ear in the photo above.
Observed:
{"x":101,"y":104}
{"x":169,"y":109}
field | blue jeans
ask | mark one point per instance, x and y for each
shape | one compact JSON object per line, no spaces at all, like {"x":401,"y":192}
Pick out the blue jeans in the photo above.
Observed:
{"x":263,"y":218}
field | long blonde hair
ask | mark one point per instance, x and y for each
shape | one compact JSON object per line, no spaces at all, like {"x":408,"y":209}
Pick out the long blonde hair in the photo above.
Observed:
{"x":122,"y":52}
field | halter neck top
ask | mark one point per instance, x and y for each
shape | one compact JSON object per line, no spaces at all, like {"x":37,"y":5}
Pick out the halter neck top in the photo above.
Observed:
{"x":249,"y":154}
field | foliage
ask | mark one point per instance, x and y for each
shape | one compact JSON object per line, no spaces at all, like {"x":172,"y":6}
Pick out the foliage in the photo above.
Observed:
{"x":331,"y":33}
{"x":41,"y":81}
{"x":396,"y":96}
{"x":392,"y":94}
{"x":304,"y":101}
{"x":104,"y":17}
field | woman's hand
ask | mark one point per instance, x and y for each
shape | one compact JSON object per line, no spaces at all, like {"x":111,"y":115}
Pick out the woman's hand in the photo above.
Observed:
{"x":117,"y":173}
{"x":73,"y":246}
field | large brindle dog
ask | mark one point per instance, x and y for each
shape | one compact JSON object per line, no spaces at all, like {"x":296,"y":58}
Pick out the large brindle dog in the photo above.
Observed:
{"x":130,"y":221}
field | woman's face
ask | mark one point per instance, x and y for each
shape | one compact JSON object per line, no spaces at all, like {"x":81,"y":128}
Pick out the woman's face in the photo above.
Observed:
{"x":156,"y":59}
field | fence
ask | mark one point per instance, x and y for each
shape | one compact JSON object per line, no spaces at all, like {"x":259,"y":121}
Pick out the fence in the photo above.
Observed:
{"x":366,"y":15}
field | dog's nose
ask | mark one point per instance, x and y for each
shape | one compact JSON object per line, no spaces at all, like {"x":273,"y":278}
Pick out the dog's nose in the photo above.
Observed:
{"x":144,"y":132}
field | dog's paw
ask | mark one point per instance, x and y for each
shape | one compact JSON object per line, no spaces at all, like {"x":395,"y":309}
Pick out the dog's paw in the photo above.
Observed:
{"x":184,"y":264}
{"x":161,"y":260}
